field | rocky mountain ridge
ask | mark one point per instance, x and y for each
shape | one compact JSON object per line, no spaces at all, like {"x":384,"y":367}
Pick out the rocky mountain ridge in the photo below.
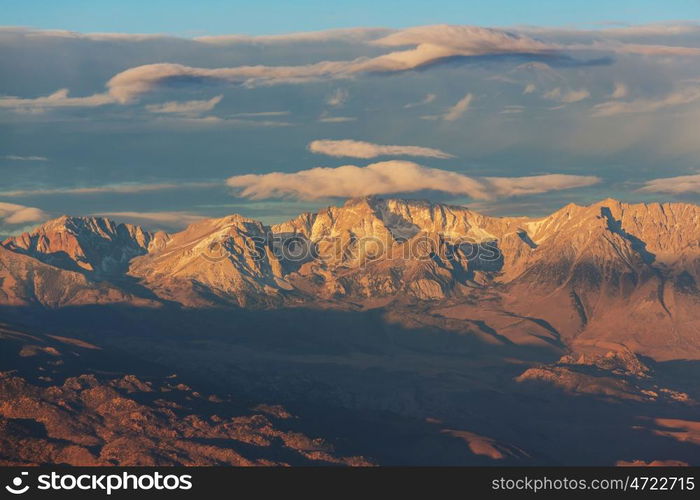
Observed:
{"x":610,"y":271}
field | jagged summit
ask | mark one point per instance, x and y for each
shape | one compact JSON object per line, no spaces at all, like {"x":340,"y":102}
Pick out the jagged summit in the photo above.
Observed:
{"x":88,"y":244}
{"x":225,"y":260}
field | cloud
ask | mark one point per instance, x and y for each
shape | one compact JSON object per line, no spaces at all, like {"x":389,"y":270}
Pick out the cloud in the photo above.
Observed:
{"x":112,"y":188}
{"x":338,"y":98}
{"x":673,"y":185}
{"x":416,"y":47}
{"x":455,"y":112}
{"x":568,"y":96}
{"x":159,"y":220}
{"x":337,"y":119}
{"x":426,"y":100}
{"x":617,"y":47}
{"x":179,"y":122}
{"x":620,"y":91}
{"x":361,"y":149}
{"x":100,"y":37}
{"x":25,"y":158}
{"x":536,"y":184}
{"x":185,"y":107}
{"x":638,"y":31}
{"x":392,"y":177}
{"x":132,"y":83}
{"x":680,"y":97}
{"x":258,"y":114}
{"x":616,"y":40}
{"x":465,"y":40}
{"x":430,"y":44}
{"x":655,"y":50}
{"x":490,"y":128}
{"x":58,"y":99}
{"x":652,"y":29}
{"x":351,"y":181}
{"x":323,"y":36}
{"x":12,"y":214}
{"x":512,"y":109}
{"x":359,"y":35}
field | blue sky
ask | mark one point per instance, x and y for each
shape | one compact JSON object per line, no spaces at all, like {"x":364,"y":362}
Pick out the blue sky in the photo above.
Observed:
{"x":187,"y":17}
{"x":207,"y":116}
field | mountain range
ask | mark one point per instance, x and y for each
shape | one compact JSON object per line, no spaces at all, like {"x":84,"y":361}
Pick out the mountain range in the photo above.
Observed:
{"x":402,"y":331}
{"x":611,"y":271}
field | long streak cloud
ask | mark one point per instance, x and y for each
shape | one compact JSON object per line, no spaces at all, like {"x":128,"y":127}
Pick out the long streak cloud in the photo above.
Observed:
{"x":391,"y":177}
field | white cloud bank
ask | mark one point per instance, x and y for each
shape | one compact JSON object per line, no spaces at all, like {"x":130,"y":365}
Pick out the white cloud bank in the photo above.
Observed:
{"x":673,"y":185}
{"x":361,"y":149}
{"x":392,"y":177}
{"x":430,"y":44}
{"x":414,"y":48}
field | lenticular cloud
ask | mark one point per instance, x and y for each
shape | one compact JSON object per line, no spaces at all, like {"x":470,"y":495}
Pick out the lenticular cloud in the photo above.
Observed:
{"x":392,"y":177}
{"x":361,"y":149}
